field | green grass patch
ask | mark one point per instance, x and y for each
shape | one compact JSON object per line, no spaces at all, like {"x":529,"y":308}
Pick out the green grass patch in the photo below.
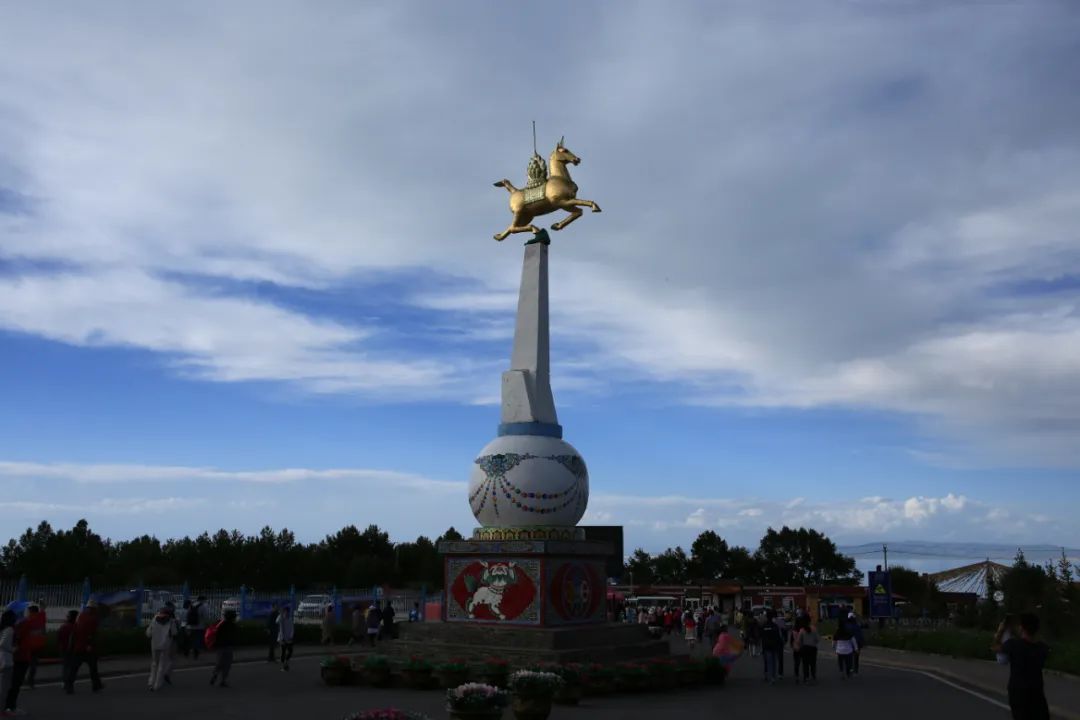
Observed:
{"x":1064,"y":654}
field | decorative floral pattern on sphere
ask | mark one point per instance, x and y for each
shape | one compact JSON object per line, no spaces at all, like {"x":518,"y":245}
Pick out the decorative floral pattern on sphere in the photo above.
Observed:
{"x":526,"y":480}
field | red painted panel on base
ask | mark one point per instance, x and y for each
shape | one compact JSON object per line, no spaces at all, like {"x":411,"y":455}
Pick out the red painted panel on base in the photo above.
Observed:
{"x":499,"y":591}
{"x":576,"y":591}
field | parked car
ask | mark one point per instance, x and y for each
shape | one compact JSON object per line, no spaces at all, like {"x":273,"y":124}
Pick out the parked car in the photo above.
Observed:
{"x":312,"y":606}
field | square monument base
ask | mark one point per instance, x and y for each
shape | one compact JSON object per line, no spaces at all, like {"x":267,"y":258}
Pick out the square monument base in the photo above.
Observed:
{"x":525,"y":583}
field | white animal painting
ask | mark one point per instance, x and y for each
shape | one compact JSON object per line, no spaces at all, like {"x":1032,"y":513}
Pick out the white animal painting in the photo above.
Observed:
{"x":492,"y":584}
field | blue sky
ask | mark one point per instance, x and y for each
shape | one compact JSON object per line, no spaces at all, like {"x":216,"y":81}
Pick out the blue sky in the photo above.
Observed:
{"x":247,"y":275}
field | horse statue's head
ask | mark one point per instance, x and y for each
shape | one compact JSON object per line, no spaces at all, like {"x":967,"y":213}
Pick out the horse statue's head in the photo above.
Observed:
{"x":561,"y":154}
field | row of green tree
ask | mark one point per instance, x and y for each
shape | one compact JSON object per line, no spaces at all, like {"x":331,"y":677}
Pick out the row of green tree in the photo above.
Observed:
{"x":783,"y":557}
{"x":269,"y":560}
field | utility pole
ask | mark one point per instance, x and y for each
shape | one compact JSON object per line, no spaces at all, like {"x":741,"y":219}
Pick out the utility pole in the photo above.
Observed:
{"x":885,"y":551}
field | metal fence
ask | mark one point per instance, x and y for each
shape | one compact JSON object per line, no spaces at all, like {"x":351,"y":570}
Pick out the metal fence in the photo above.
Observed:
{"x":135,"y":605}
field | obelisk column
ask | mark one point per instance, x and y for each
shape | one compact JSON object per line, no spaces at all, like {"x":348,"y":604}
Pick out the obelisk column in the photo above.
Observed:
{"x":528,"y":407}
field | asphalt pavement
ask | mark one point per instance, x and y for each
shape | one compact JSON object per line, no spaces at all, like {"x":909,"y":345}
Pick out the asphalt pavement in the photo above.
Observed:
{"x":261,"y":690}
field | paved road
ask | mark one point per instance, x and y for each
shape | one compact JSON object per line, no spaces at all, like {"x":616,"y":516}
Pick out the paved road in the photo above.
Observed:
{"x":261,"y":690}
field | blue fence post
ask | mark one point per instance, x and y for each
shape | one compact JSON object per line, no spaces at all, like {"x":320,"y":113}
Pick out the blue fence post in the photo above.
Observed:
{"x":243,"y":602}
{"x":337,"y":605}
{"x":141,"y":595}
{"x":85,"y":591}
{"x":292,"y":600}
{"x":20,"y":593}
{"x":185,"y":591}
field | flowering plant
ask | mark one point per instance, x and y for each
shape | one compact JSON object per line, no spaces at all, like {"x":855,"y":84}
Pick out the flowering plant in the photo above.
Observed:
{"x":385,"y":714}
{"x":377,"y":662}
{"x":454,"y":665}
{"x":415,"y":663}
{"x":596,"y":671}
{"x":495,"y":665}
{"x":530,"y":683}
{"x":475,"y":696}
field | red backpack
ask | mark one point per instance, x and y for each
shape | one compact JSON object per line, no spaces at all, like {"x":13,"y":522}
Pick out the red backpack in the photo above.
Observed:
{"x":210,"y":636}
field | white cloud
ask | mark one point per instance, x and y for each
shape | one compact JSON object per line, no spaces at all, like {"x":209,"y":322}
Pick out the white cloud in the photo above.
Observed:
{"x":124,"y":473}
{"x":783,"y":249}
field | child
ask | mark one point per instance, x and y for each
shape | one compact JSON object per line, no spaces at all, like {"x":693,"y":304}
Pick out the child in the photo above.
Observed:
{"x":690,"y":628}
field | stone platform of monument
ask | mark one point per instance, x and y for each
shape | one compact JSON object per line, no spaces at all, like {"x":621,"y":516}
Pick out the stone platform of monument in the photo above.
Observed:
{"x":527,"y":584}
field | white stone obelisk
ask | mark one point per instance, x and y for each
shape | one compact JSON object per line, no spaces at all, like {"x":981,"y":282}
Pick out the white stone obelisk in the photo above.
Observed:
{"x":527,"y":402}
{"x":529,"y":476}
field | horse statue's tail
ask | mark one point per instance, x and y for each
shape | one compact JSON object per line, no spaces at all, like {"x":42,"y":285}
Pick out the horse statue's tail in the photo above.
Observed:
{"x":506,"y":184}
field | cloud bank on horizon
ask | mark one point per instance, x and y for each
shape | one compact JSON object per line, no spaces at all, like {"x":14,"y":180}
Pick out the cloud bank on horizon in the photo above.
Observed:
{"x":855,"y":207}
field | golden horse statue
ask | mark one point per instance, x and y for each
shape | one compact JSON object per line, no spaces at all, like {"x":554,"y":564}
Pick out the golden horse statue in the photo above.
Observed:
{"x":545,"y":194}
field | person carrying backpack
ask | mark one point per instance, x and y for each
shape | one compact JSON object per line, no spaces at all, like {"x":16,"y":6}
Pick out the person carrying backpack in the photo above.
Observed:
{"x":772,"y":645}
{"x":223,"y":640}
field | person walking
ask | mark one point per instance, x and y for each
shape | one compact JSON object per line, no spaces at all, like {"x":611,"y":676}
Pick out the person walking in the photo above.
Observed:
{"x":161,"y":633}
{"x":689,"y":628}
{"x":36,"y":629}
{"x":808,"y":644}
{"x":286,"y":631}
{"x":389,"y":629}
{"x":65,"y":643}
{"x":85,"y":648}
{"x":170,"y":610}
{"x":414,"y":614}
{"x":357,"y":626}
{"x":26,"y":645}
{"x":782,"y":625}
{"x":1027,"y":657}
{"x":198,"y":617}
{"x":845,"y":645}
{"x":855,"y":627}
{"x":224,"y":642}
{"x":795,"y":642}
{"x":328,"y":626}
{"x":753,"y":635}
{"x":7,"y":651}
{"x":772,"y":645}
{"x":272,"y":633}
{"x":374,"y":623}
{"x":726,"y":649}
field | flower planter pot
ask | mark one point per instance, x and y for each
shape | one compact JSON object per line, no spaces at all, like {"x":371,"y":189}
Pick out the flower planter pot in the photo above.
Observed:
{"x":491,"y":714}
{"x":569,"y":694}
{"x":531,"y":708}
{"x":379,"y":677}
{"x":498,"y":679}
{"x":453,"y":678}
{"x":418,"y":679}
{"x":599,"y":686}
{"x":336,"y":675}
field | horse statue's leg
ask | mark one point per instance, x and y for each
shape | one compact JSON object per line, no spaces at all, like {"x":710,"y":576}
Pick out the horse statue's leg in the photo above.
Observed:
{"x":585,"y":203}
{"x":574,"y":215}
{"x":522,"y":222}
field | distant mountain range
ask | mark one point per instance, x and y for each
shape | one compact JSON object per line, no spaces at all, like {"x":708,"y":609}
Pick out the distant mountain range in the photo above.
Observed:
{"x":936,"y":556}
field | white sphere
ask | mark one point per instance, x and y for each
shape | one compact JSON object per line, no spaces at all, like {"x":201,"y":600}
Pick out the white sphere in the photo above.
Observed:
{"x":528,"y":480}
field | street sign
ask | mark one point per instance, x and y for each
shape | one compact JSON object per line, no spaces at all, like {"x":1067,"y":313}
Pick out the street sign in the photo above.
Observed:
{"x":880,"y":590}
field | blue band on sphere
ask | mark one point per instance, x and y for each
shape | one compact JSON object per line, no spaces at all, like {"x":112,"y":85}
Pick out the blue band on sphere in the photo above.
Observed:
{"x":531,"y":428}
